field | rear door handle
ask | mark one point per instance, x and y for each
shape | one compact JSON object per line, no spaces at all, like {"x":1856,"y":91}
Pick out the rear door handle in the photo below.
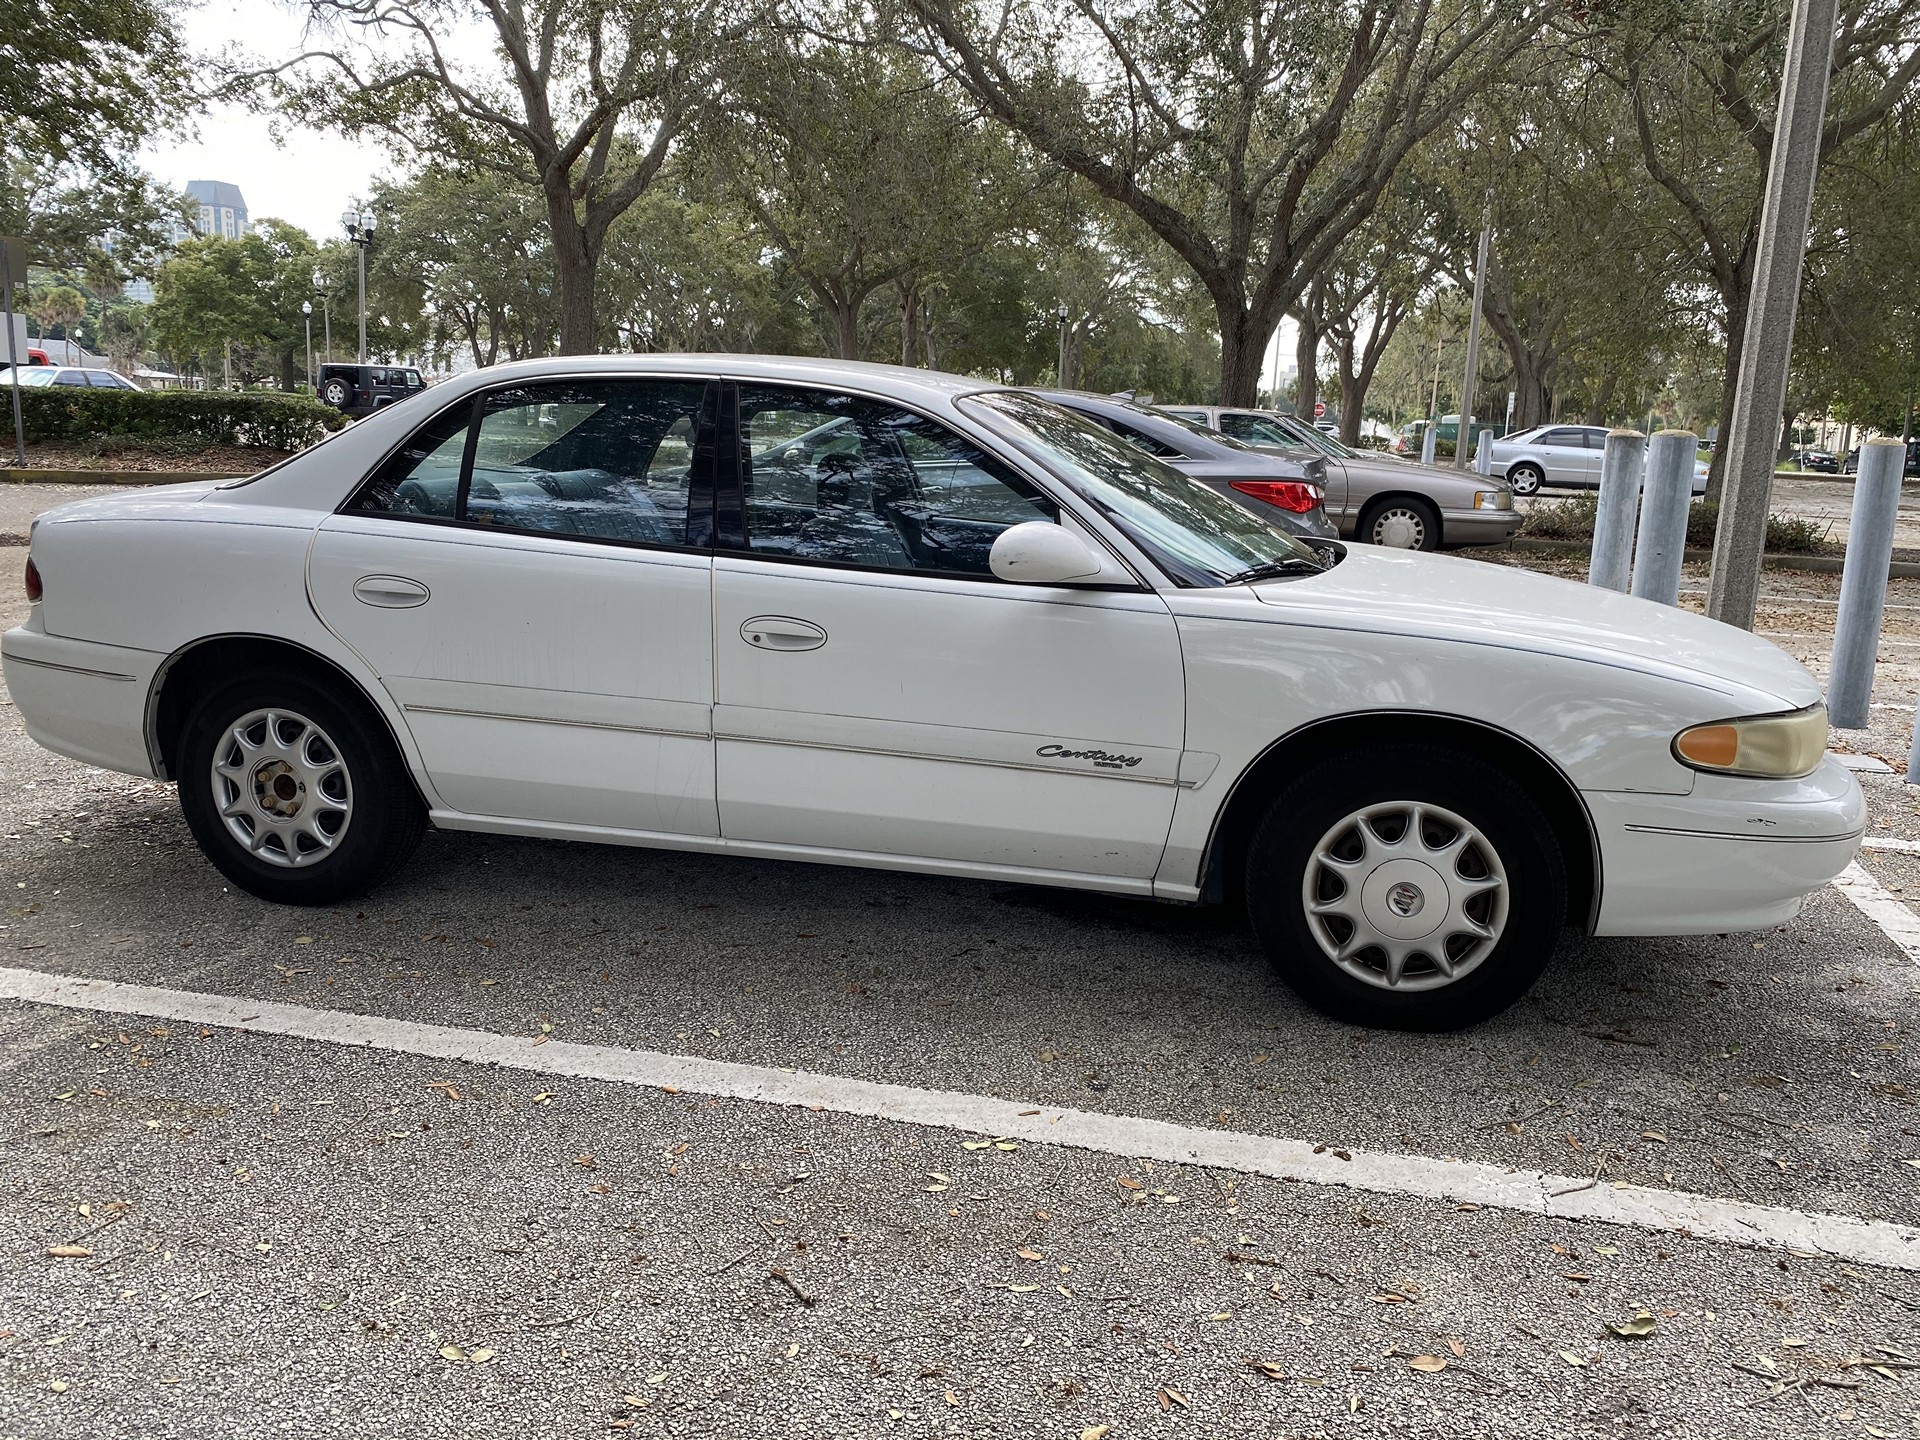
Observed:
{"x":782,"y":632}
{"x":390,"y":592}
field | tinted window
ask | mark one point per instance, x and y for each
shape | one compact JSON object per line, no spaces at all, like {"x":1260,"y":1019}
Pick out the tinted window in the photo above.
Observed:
{"x":70,"y":377}
{"x":1258,"y":430}
{"x":607,"y":460}
{"x":1157,"y":448}
{"x":850,"y":481}
{"x":1571,"y":439}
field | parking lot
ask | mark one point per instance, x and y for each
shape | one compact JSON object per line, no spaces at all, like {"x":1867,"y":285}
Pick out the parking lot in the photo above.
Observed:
{"x":557,"y":1140}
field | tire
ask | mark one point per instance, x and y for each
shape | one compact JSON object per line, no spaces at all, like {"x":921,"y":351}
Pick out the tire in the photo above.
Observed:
{"x":327,"y":801}
{"x":337,"y":393}
{"x":1314,"y":829}
{"x":1526,"y":479}
{"x":1402,"y":523}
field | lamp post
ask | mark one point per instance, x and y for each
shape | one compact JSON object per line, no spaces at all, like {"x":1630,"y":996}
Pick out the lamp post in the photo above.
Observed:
{"x":320,"y":283}
{"x":359,"y":225}
{"x":1061,"y":370}
{"x":306,"y":311}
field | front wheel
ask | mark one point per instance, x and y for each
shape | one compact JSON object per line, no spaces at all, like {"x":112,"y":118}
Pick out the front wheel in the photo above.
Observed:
{"x":1409,"y":887}
{"x":1404,"y":524}
{"x":294,"y":795}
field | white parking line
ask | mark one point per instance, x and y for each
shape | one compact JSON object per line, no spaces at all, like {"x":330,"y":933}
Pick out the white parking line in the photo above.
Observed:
{"x":1568,"y":1197}
{"x":1891,"y":842}
{"x":1896,"y":921}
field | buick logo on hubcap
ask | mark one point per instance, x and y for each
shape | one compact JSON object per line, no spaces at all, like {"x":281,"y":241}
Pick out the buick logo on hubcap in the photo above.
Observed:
{"x":1404,"y":899}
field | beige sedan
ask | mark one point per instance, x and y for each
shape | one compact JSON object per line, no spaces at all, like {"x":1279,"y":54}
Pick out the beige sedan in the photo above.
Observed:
{"x":1377,"y":498}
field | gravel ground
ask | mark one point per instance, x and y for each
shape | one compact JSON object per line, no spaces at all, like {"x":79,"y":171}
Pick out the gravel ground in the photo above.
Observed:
{"x":291,"y":1237}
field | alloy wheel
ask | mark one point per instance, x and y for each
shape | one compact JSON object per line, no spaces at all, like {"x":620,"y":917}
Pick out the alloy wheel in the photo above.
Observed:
{"x":281,"y":787}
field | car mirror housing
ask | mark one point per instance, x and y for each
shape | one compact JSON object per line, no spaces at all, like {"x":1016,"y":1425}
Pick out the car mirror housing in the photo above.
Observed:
{"x":1042,"y":553}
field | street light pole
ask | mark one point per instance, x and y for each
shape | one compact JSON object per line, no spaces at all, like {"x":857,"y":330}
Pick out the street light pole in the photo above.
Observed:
{"x":326,"y":311}
{"x":359,"y":225}
{"x":1060,"y":371}
{"x":1462,"y":440}
{"x":306,"y":311}
{"x":1752,"y":431}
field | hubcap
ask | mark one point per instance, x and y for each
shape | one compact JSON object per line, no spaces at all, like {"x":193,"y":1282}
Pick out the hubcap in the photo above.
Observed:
{"x":1405,"y":896}
{"x":281,"y":788}
{"x":1402,"y":529}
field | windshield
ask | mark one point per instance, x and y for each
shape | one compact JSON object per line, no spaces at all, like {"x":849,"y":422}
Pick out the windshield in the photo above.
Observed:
{"x":1198,"y":537}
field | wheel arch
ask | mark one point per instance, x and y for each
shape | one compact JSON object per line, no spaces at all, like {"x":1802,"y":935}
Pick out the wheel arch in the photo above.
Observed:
{"x":1375,"y":503}
{"x":1256,"y":786}
{"x":193,"y":668}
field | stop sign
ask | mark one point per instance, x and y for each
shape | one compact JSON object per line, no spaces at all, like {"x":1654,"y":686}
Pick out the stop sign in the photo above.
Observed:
{"x":1320,"y":410}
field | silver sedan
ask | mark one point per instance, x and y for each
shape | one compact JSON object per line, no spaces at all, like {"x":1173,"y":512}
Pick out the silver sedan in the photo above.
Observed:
{"x":1377,"y":498}
{"x":1562,"y":456}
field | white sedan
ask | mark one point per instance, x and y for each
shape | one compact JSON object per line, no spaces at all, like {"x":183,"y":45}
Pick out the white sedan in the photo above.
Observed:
{"x":861,"y":615}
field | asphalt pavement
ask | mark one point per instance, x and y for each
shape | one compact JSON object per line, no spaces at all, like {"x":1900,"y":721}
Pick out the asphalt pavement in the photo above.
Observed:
{"x":291,"y":1235}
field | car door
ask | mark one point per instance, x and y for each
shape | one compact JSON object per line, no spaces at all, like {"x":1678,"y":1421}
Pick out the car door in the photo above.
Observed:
{"x":1567,"y":458}
{"x":880,"y":691}
{"x":519,"y":575}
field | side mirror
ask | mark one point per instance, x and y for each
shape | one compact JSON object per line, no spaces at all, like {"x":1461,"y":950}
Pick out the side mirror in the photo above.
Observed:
{"x":1039,"y":553}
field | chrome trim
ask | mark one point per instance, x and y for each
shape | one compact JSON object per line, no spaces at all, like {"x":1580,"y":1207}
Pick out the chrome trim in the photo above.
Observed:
{"x":1729,"y":835}
{"x":71,"y":669}
{"x":555,"y":720}
{"x":955,"y":759}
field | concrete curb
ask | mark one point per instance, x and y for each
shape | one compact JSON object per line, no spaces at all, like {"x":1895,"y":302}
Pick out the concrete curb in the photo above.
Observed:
{"x":1819,"y":564}
{"x":31,"y":476}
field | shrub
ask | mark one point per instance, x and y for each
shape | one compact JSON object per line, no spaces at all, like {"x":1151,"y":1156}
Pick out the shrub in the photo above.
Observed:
{"x":1572,"y":519}
{"x":70,"y":414}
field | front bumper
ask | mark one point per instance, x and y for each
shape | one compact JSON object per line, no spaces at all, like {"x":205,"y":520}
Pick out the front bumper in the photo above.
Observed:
{"x":1479,"y":527}
{"x":1732,"y":855}
{"x":80,"y":699}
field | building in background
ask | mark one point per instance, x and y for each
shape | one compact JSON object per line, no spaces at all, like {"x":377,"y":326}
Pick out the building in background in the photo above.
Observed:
{"x":221,"y":210}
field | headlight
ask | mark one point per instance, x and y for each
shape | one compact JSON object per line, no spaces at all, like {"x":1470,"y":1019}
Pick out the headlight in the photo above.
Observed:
{"x":1493,"y":499}
{"x":1779,"y":747}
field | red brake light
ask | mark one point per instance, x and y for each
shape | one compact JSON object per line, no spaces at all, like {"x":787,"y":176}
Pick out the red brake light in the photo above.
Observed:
{"x":34,"y":588}
{"x":1294,"y":495}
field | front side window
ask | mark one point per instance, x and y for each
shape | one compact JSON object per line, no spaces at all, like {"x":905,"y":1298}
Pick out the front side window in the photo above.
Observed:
{"x":1198,"y":537}
{"x":603,"y":460}
{"x":843,"y":480}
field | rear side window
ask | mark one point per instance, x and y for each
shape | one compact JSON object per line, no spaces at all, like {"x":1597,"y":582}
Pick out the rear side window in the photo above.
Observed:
{"x":1569,"y":439}
{"x":601,"y":460}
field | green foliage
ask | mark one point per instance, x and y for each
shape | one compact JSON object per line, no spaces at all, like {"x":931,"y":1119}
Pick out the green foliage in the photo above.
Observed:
{"x":1573,"y":517}
{"x":85,"y":79}
{"x":69,"y":414}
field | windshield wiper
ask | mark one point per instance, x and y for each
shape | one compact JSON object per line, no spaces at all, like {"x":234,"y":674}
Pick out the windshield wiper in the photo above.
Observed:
{"x":1272,"y":569}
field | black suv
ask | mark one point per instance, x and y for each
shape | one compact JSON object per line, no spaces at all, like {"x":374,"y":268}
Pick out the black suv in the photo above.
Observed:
{"x":362,"y":389}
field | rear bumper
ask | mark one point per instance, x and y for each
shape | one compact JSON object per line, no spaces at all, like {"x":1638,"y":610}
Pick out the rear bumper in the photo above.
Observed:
{"x":1734,"y":855}
{"x":82,"y":700}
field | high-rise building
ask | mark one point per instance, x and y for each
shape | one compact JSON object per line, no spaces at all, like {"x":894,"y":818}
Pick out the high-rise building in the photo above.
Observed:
{"x":221,"y":210}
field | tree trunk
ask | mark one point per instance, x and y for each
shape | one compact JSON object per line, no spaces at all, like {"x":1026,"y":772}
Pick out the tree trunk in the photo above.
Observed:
{"x":1602,"y":402}
{"x":846,"y":328}
{"x":1306,"y":357}
{"x":576,"y":264}
{"x":909,"y":323}
{"x":1729,"y":383}
{"x":1243,"y":348}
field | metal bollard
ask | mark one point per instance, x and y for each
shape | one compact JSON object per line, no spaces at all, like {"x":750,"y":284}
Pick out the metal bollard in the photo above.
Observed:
{"x":1483,"y":453}
{"x":1620,"y":470}
{"x":1429,"y":444}
{"x":1662,"y":541}
{"x":1863,"y":583}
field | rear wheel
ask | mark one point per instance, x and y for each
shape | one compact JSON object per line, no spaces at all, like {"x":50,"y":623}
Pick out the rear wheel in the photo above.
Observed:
{"x":1406,"y":886}
{"x":294,"y":795}
{"x":336,"y":393}
{"x":1526,"y":479}
{"x":1404,"y":523}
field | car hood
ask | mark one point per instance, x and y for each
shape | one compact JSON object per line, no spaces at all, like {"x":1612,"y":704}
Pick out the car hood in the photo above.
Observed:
{"x":1471,"y":601}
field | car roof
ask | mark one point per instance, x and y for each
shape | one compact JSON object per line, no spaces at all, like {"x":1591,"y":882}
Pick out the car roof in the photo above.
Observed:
{"x":1134,"y":414}
{"x":904,"y":381}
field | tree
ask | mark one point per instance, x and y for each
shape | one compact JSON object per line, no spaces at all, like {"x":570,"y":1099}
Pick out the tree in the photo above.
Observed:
{"x":1697,"y":87}
{"x":61,"y":308}
{"x":1252,"y":142}
{"x":594,"y":96}
{"x":84,"y":80}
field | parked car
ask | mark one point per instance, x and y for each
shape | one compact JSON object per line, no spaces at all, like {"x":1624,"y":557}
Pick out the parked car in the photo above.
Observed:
{"x":1375,"y":497}
{"x":1563,"y":456}
{"x":1912,"y":467}
{"x":1288,"y":491}
{"x":1823,"y":462}
{"x":34,"y":356}
{"x":856,"y":614}
{"x":73,"y":375}
{"x":363,"y":389}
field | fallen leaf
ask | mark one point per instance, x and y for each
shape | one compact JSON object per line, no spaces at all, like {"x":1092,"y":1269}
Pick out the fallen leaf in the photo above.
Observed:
{"x":1269,"y":1368}
{"x":1571,"y":1358}
{"x":1131,"y":1184}
{"x":1170,"y":1397}
{"x":452,"y":1352}
{"x":1640,"y":1326}
{"x":1096,"y":1432}
{"x":59,"y":1387}
{"x":1458,"y":1347}
{"x":1428,"y":1364}
{"x":1027,"y":1253}
{"x":69,"y":1252}
{"x":480,"y":1356}
{"x":975,"y":1144}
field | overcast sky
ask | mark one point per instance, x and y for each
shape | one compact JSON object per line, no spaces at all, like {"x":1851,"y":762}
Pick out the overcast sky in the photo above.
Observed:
{"x":310,"y":178}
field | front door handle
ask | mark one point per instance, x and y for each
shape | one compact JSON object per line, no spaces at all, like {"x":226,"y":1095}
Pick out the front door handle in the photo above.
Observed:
{"x":782,"y":632}
{"x":390,"y":592}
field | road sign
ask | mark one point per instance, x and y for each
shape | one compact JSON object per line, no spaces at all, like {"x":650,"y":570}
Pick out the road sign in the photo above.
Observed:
{"x":1320,"y":410}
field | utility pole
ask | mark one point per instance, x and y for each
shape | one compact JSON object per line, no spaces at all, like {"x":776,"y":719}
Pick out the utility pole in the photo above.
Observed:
{"x":1462,"y":440}
{"x":1752,"y":432}
{"x":13,"y":261}
{"x":1060,"y":370}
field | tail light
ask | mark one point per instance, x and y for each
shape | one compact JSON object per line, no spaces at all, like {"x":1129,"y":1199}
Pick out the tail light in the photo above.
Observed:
{"x":1294,"y":495}
{"x":34,"y":588}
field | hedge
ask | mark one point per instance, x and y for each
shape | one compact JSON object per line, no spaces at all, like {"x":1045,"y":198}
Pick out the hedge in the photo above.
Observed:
{"x":65,"y":414}
{"x":1573,"y":517}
